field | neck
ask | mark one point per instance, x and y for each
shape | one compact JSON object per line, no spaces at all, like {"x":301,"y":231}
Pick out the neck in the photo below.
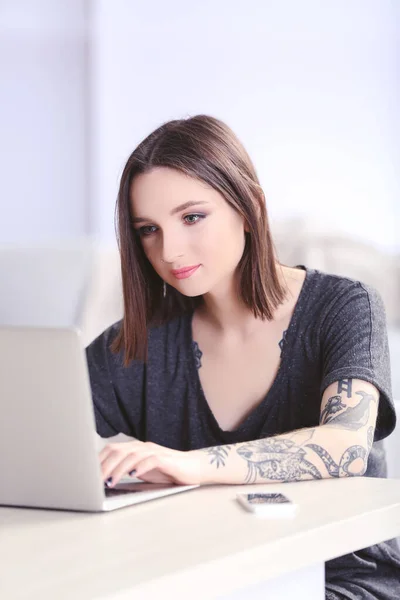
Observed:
{"x":225,"y":312}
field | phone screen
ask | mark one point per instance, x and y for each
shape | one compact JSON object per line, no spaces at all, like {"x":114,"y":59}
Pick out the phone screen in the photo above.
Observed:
{"x":267,"y":499}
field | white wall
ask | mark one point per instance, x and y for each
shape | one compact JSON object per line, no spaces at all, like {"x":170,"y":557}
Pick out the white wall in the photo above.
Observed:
{"x":43,"y":139}
{"x":309,"y":87}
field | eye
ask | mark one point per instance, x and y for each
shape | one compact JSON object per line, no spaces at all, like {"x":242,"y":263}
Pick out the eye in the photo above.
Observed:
{"x":144,"y":231}
{"x":194,"y":215}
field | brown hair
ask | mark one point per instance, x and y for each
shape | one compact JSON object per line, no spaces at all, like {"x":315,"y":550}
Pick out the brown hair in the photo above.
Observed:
{"x":205,"y":148}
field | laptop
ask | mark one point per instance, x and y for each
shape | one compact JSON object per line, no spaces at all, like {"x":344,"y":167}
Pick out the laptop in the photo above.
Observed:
{"x":49,"y":456}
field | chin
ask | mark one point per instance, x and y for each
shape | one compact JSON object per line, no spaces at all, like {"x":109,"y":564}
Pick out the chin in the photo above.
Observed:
{"x":192,"y":293}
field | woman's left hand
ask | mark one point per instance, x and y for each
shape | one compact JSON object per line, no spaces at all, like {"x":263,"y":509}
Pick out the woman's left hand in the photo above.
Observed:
{"x":152,"y":463}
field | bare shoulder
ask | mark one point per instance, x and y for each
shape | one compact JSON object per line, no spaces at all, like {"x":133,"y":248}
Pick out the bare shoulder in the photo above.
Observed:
{"x":293,"y":274}
{"x":293,"y":280}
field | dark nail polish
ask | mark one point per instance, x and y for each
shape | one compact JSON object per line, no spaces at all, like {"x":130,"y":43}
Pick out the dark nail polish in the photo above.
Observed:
{"x":132,"y":472}
{"x":109,"y":480}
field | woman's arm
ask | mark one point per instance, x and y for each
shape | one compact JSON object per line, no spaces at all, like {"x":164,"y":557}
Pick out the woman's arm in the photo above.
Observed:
{"x":338,"y":447}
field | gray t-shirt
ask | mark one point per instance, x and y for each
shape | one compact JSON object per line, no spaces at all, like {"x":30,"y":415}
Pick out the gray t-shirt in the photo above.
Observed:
{"x":337,"y":331}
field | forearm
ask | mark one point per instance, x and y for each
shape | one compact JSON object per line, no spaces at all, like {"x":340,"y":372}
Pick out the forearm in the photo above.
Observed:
{"x":311,"y":453}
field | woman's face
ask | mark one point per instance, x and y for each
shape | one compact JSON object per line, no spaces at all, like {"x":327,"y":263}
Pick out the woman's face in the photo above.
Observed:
{"x":209,"y":232}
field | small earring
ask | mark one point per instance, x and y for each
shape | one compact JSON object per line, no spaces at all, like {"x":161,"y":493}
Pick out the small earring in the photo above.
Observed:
{"x":164,"y":289}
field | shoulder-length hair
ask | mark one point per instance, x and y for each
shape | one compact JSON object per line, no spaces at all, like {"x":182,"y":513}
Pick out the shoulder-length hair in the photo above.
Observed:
{"x":205,"y":148}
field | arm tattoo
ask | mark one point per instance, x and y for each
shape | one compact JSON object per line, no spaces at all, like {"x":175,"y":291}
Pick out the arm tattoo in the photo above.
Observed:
{"x":370,"y":438}
{"x":197,"y":354}
{"x":285,"y":460}
{"x":354,"y":417}
{"x":279,"y":460}
{"x":344,"y":385}
{"x":347,"y":465}
{"x":333,"y":405}
{"x":218,"y":454}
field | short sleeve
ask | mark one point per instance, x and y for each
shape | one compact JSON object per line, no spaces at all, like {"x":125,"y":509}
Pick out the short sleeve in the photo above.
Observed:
{"x":105,"y":373}
{"x":355,"y":345}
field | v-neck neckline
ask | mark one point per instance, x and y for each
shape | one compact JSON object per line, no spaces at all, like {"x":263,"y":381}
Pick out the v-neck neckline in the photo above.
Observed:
{"x":285,"y":359}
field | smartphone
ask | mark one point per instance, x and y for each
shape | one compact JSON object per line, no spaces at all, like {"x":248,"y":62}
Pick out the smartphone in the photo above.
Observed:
{"x":268,"y":504}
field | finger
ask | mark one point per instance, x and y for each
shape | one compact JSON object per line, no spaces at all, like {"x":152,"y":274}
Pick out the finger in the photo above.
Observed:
{"x":115,"y":447}
{"x":105,"y":452}
{"x":147,"y":464}
{"x":161,"y":463}
{"x":126,"y":465}
{"x":120,"y":450}
{"x":110,"y":463}
{"x":155,"y":476}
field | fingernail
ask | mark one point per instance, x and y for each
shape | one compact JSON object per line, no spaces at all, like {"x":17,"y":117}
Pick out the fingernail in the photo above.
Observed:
{"x":109,"y":481}
{"x":132,"y":472}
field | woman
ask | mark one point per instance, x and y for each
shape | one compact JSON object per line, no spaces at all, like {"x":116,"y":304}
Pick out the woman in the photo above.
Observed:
{"x":238,"y":369}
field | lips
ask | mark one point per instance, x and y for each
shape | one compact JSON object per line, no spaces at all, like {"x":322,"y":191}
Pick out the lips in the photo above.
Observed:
{"x":183,"y":270}
{"x":186,"y":272}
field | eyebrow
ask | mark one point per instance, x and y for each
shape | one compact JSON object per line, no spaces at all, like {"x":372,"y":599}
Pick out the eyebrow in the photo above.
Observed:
{"x":173,"y":211}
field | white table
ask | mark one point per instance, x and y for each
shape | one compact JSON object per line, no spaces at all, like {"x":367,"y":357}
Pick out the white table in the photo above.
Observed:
{"x":200,"y":544}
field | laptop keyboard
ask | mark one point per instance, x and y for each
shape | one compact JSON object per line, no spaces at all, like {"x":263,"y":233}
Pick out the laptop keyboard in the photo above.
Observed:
{"x":135,"y":487}
{"x":117,"y":492}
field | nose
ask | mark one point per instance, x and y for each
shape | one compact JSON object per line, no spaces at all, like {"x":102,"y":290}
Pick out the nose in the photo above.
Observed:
{"x":170,"y":251}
